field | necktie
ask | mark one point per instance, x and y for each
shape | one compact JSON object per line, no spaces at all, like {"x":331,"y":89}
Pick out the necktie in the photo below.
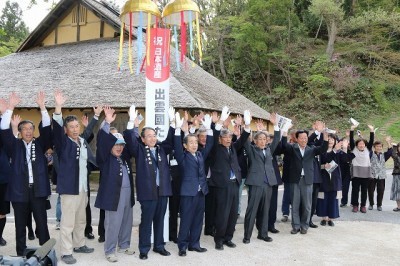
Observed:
{"x":153,"y":154}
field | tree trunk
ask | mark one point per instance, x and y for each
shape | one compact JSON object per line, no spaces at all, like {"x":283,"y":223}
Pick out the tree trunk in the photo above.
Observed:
{"x":221,"y":57}
{"x":332,"y":32}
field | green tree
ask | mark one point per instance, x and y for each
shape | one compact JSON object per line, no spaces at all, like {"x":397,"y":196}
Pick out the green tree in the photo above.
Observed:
{"x":12,"y":29}
{"x":11,"y":22}
{"x":332,"y":13}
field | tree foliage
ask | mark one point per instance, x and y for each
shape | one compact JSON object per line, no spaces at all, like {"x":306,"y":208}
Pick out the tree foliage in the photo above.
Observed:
{"x":12,"y":29}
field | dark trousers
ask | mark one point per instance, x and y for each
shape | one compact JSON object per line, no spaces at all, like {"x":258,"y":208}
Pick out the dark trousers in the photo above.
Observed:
{"x":226,"y":202}
{"x":314,"y":199}
{"x":356,"y":184}
{"x":209,"y":215}
{"x":173,"y":206}
{"x":345,"y":189}
{"x":258,"y":206}
{"x":380,"y":189}
{"x":192,"y":214}
{"x":153,"y":212}
{"x":100,"y":230}
{"x":21,"y":212}
{"x":286,"y":200}
{"x":88,"y":228}
{"x":273,"y":208}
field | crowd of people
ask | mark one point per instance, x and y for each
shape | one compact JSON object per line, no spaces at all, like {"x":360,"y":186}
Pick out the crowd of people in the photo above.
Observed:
{"x":198,"y":172}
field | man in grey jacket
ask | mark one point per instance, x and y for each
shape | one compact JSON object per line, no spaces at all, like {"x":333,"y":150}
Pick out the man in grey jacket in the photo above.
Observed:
{"x":260,"y":179}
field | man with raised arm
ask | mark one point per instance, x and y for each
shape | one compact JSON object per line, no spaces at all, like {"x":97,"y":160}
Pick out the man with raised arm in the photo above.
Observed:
{"x":72,"y":184}
{"x":153,"y":183}
{"x":29,"y":186}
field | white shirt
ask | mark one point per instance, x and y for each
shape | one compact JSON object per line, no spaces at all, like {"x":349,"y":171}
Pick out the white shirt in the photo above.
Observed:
{"x":302,"y":155}
{"x":28,"y":160}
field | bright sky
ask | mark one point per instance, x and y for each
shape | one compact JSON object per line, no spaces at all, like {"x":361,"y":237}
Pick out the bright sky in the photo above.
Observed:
{"x":33,"y":16}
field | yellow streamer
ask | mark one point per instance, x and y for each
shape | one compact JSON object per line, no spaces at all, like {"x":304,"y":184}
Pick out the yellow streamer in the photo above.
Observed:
{"x":198,"y":38}
{"x":121,"y":46}
{"x":130,"y":45}
{"x":148,"y":39}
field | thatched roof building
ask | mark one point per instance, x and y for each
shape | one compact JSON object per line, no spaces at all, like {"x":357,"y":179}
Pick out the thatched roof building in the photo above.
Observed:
{"x":75,"y":48}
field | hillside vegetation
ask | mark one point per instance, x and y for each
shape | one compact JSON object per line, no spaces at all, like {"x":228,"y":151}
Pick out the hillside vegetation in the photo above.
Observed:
{"x":310,"y":59}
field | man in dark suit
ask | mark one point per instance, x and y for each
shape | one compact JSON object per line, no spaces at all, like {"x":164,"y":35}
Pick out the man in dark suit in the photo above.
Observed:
{"x":226,"y":178}
{"x":260,"y":179}
{"x":301,"y":175}
{"x":193,"y":186}
{"x":153,"y":184}
{"x":29,"y":186}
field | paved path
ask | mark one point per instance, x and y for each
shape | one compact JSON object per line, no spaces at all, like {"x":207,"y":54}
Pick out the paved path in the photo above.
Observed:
{"x":356,"y":239}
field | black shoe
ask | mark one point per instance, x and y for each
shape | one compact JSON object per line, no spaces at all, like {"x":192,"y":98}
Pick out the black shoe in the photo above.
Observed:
{"x":219,"y":246}
{"x":182,"y":253}
{"x":343,"y":205}
{"x":273,"y":230}
{"x":143,"y":256}
{"x":303,"y":231}
{"x":101,"y":239}
{"x":265,"y":238}
{"x":294,"y":231}
{"x":230,"y":244}
{"x":162,"y":252}
{"x":200,"y":249}
{"x":2,"y":242}
{"x":246,"y":241}
{"x":330,"y":223}
{"x":31,"y":236}
{"x":175,"y":240}
{"x":209,"y":234}
{"x":323,"y":222}
{"x":89,"y":236}
{"x":312,"y":225}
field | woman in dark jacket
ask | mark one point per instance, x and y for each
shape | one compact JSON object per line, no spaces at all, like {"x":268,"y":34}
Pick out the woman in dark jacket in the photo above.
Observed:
{"x":331,"y":186}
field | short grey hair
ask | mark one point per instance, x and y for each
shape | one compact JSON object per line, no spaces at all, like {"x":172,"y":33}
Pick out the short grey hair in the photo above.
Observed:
{"x":259,"y":133}
{"x":225,"y":132}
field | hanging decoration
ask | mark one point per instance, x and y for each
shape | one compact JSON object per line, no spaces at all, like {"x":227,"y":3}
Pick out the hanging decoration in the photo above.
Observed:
{"x":140,"y":14}
{"x":182,"y":13}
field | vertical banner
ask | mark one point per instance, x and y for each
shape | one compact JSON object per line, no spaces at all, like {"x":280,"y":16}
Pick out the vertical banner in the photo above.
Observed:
{"x":157,"y":91}
{"x":157,"y":82}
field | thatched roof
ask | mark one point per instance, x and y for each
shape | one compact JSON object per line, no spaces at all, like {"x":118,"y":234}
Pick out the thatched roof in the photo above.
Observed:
{"x":87,"y":73}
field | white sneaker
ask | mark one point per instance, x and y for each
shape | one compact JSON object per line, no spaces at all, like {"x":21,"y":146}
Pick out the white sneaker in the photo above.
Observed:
{"x":58,"y":226}
{"x":127,"y":251}
{"x":111,"y":257}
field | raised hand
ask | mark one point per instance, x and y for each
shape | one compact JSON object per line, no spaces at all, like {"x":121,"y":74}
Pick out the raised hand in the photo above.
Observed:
{"x":371,"y":128}
{"x":345,"y":144}
{"x":227,"y":122}
{"x":3,"y":105}
{"x":214,"y":117}
{"x":178,"y":120}
{"x":225,"y":113}
{"x":236,"y":130}
{"x":260,"y":125}
{"x":132,"y":112}
{"x":353,"y":127}
{"x":85,"y":120}
{"x":59,"y":99}
{"x":247,"y":117}
{"x":109,"y":114}
{"x":14,"y":100}
{"x":171,"y":114}
{"x":15,"y":120}
{"x":41,"y":100}
{"x":239,"y":120}
{"x":97,"y":110}
{"x":207,"y":121}
{"x":185,"y":126}
{"x":186,"y":116}
{"x":272,"y":118}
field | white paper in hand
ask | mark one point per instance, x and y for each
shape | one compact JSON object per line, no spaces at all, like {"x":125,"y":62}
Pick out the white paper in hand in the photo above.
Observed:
{"x":283,"y":123}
